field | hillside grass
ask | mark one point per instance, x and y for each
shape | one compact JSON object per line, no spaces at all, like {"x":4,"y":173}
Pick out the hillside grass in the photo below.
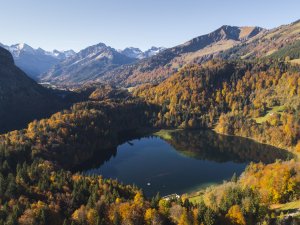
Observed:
{"x":195,"y":199}
{"x":289,"y":209}
{"x":295,"y":61}
{"x":275,"y":109}
{"x":165,"y":134}
{"x":288,"y":206}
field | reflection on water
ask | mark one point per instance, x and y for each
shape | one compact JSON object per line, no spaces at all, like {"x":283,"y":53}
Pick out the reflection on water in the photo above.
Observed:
{"x":208,"y":145}
{"x":191,"y":160}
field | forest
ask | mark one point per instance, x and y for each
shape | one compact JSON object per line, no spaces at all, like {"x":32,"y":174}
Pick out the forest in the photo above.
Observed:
{"x":233,"y":97}
{"x":259,"y":100}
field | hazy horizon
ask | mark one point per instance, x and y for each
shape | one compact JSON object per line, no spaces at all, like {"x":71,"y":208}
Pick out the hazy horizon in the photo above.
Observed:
{"x":63,"y":25}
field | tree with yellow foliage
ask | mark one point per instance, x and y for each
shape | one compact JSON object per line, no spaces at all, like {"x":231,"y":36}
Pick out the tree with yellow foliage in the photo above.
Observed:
{"x":80,"y":215}
{"x":184,"y":219}
{"x":235,"y":216}
{"x":149,"y":215}
{"x":138,"y":199}
{"x":164,"y":206}
{"x":297,"y":148}
{"x":92,"y":217}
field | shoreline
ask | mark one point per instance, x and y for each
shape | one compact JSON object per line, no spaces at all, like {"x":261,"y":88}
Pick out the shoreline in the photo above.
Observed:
{"x":194,"y":194}
{"x":290,"y":150}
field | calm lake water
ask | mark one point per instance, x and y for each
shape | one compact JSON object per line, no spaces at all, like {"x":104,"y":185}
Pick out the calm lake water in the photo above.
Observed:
{"x":190,"y":161}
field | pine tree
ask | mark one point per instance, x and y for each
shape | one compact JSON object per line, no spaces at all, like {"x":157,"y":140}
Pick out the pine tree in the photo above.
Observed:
{"x":11,"y":190}
{"x":117,"y":218}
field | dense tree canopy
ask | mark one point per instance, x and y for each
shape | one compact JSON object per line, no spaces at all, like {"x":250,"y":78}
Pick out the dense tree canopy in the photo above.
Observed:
{"x":248,"y":99}
{"x":233,"y":95}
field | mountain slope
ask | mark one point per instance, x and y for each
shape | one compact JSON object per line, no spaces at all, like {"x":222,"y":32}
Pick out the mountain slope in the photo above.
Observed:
{"x":160,"y":66}
{"x":252,"y":99}
{"x":21,"y":99}
{"x":34,"y":62}
{"x":86,"y":65}
{"x":226,"y":42}
{"x":267,"y":43}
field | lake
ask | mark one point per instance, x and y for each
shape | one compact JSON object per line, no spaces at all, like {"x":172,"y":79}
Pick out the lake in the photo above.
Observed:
{"x":189,"y":161}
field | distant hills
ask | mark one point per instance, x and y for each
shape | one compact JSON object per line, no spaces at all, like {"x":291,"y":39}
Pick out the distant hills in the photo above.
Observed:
{"x":34,"y":62}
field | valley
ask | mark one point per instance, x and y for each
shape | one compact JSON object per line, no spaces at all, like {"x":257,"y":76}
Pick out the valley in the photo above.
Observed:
{"x":215,"y":120}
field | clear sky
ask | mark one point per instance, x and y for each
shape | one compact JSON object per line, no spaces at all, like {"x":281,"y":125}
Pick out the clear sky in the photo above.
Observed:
{"x":76,"y":24}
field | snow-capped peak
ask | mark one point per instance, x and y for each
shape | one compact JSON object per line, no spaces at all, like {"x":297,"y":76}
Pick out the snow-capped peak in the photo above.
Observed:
{"x":139,"y":54}
{"x":153,"y":51}
{"x":133,"y":53}
{"x":62,"y":54}
{"x":17,"y":49}
{"x":22,"y":48}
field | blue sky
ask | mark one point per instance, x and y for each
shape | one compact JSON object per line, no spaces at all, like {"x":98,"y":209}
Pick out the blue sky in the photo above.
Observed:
{"x":76,"y":24}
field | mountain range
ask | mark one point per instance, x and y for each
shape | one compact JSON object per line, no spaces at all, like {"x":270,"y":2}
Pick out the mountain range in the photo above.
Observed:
{"x":131,"y":66}
{"x":86,"y":65}
{"x":91,"y":62}
{"x":227,"y":42}
{"x":151,"y":66}
{"x":35,"y":61}
{"x":162,"y":65}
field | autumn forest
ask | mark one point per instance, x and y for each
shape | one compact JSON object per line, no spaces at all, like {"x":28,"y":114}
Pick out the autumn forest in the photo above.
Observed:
{"x":195,"y":87}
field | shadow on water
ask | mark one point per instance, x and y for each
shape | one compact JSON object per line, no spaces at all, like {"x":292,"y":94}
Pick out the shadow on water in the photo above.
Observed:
{"x":202,"y":145}
{"x":208,"y":145}
{"x":98,"y":155}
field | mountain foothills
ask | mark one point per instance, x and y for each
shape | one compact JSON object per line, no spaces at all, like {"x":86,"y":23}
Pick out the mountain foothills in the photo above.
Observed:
{"x":237,"y":81}
{"x":35,"y":62}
